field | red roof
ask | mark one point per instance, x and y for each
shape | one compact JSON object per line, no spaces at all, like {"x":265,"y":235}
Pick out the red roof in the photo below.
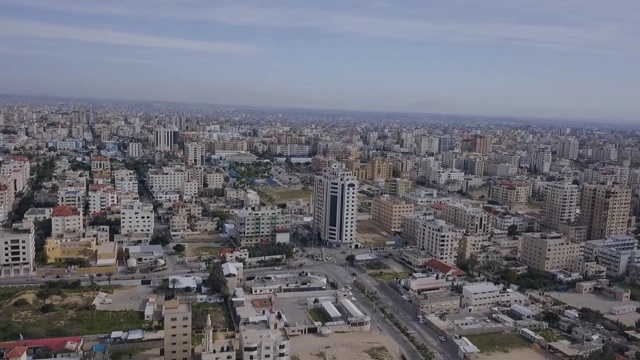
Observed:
{"x":16,"y":352}
{"x":438,"y":206}
{"x":20,"y":158}
{"x":71,"y":344}
{"x":99,"y":158}
{"x":444,"y":268}
{"x":97,"y":187}
{"x":63,"y":210}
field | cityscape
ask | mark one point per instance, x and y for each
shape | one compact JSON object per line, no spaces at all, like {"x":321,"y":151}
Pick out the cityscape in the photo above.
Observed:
{"x":353,"y":180}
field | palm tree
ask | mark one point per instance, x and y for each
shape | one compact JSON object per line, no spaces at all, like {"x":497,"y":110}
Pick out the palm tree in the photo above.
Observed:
{"x":174,"y":282}
{"x":92,"y":279}
{"x":109,"y":275}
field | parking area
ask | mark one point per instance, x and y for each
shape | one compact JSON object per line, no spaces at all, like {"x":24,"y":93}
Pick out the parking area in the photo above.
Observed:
{"x":128,"y":298}
{"x":597,"y":302}
{"x":295,"y":309}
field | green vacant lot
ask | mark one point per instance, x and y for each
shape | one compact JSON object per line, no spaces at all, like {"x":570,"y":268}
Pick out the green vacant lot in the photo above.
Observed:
{"x":500,"y":342}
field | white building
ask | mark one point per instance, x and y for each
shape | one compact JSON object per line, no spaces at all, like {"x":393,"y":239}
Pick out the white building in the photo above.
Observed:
{"x":214,"y":180}
{"x":194,"y":153}
{"x":616,"y":252}
{"x":101,"y":198}
{"x":336,"y":192}
{"x":258,"y":225}
{"x":189,"y":190}
{"x":66,"y":221}
{"x":260,"y":341}
{"x":17,"y":252}
{"x":72,"y":196}
{"x":479,"y":297}
{"x":561,"y":203}
{"x":165,"y":139}
{"x":251,"y":199}
{"x":125,"y":181}
{"x":440,"y":240}
{"x":137,"y":218}
{"x":167,"y":178}
{"x":474,"y":220}
{"x":135,"y":150}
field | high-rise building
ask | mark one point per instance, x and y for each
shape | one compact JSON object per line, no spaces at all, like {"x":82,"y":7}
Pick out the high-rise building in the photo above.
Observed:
{"x":553,"y":251}
{"x":135,"y":150}
{"x":165,"y":139}
{"x":387,"y":212}
{"x":541,"y":161}
{"x":605,"y":210}
{"x":428,"y":145}
{"x":439,"y":239}
{"x":568,"y":149}
{"x":137,"y":218}
{"x":473,"y":220}
{"x":336,"y":201}
{"x":17,"y":251}
{"x":561,"y":203}
{"x":194,"y":153}
{"x":261,"y":225}
{"x":177,"y":330}
{"x":510,"y":193}
{"x":481,"y":144}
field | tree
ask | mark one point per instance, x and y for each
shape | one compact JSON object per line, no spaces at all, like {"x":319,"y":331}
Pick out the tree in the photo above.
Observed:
{"x":638,"y":325}
{"x":109,"y":276}
{"x":92,"y":279}
{"x":44,"y":352}
{"x":217,"y":282}
{"x":179,"y":248}
{"x":550,"y":317}
{"x":637,"y":355}
{"x":511,"y":276}
{"x":47,"y":308}
{"x":174,"y":282}
{"x":351,"y":259}
{"x":159,"y":239}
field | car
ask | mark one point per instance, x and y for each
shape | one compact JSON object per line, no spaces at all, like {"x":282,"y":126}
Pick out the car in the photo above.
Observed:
{"x":442,"y":338}
{"x":277,"y":268}
{"x":191,"y":272}
{"x":57,"y":276}
{"x":354,"y":274}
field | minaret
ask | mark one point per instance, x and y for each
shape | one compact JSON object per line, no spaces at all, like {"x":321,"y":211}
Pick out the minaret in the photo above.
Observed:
{"x":208,"y":336}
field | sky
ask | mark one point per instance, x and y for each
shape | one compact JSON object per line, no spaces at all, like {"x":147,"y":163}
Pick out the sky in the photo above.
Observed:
{"x":543,"y":58}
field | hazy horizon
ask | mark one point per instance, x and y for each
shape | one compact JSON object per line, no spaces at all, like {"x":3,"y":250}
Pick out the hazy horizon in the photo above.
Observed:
{"x":574,"y":60}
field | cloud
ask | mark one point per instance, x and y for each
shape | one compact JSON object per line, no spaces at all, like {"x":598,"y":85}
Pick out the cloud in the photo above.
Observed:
{"x":37,"y":30}
{"x":574,"y":25}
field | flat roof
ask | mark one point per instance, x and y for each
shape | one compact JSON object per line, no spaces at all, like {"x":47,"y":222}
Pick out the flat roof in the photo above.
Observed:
{"x":481,"y":287}
{"x":330,"y":310}
{"x":351,"y":308}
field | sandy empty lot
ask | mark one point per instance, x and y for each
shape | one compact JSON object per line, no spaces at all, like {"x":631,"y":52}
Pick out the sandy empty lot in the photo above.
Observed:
{"x":522,"y":353}
{"x":370,"y":234}
{"x":350,"y":346}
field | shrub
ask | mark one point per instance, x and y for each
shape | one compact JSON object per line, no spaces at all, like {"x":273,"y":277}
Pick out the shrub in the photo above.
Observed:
{"x":21,"y":303}
{"x":47,"y":308}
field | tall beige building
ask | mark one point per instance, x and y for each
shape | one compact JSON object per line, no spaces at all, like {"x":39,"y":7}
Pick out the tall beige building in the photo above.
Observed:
{"x":379,"y":168}
{"x":473,"y":220}
{"x":549,"y":251}
{"x":561,"y":203}
{"x":261,"y":225}
{"x":388,"y":211}
{"x":177,"y":330}
{"x":510,"y":193}
{"x":605,"y":210}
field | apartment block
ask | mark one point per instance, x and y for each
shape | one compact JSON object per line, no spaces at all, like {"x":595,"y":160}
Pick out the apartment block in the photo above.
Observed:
{"x":125,"y":181}
{"x":136,"y":218}
{"x":440,"y":240}
{"x":605,"y":210}
{"x":100,"y":164}
{"x":549,"y":251}
{"x":396,"y":186}
{"x":167,"y":178}
{"x":561,"y":203}
{"x":101,"y":198}
{"x":214,"y":180}
{"x":66,"y":221}
{"x":194,"y":153}
{"x":387,"y":212}
{"x":177,"y":330}
{"x":510,"y":193}
{"x":261,"y":225}
{"x":473,"y":220}
{"x":17,"y":251}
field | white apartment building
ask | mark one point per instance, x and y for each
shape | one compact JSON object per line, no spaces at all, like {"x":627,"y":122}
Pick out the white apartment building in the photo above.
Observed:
{"x":503,"y":222}
{"x":616,"y":253}
{"x":479,"y":297}
{"x":442,"y":176}
{"x":66,"y":221}
{"x":568,"y":149}
{"x":135,"y":150}
{"x":261,"y":225}
{"x":473,"y":220}
{"x":165,"y":139}
{"x":101,"y":198}
{"x":336,"y":201}
{"x":72,"y":196}
{"x":17,"y":251}
{"x":561,"y":203}
{"x":167,"y":178}
{"x":194,"y":153}
{"x":18,"y":170}
{"x":251,"y":199}
{"x":440,"y":240}
{"x":549,"y":251}
{"x":137,"y":218}
{"x":125,"y":181}
{"x":260,"y":341}
{"x":189,"y":190}
{"x":214,"y":180}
